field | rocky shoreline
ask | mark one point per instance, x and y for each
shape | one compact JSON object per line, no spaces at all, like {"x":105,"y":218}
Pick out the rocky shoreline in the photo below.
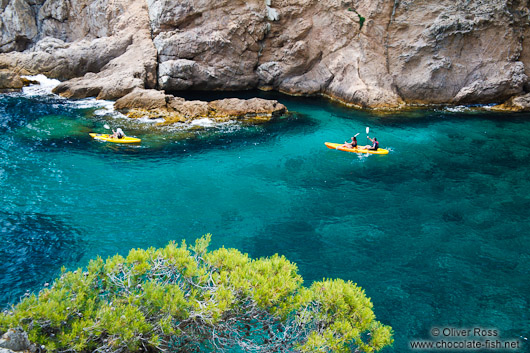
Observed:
{"x":371,"y":55}
{"x":155,"y":104}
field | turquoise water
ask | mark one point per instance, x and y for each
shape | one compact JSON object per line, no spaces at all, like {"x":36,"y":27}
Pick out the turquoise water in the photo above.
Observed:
{"x":437,"y":232}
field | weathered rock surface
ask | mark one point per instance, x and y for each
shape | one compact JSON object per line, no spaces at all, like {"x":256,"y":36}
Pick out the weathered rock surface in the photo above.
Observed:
{"x":458,"y":51}
{"x":379,"y":54}
{"x":16,"y":340}
{"x":156,"y":104}
{"x":516,"y":103}
{"x":103,"y":48}
{"x":10,"y":81}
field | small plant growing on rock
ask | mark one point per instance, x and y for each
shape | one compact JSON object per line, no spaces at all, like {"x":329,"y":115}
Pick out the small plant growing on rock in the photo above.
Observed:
{"x":188,"y":299}
{"x":361,"y":18}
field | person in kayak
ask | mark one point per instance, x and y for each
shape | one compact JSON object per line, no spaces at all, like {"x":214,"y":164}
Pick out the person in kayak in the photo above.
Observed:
{"x":118,"y":134}
{"x":351,"y":144}
{"x":375,"y":144}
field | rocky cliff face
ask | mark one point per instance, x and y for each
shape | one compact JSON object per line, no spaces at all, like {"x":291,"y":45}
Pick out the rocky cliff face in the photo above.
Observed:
{"x":371,"y":53}
{"x":458,"y":51}
{"x":103,"y":47}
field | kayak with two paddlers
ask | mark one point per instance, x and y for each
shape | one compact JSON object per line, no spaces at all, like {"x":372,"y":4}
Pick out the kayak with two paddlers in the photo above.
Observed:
{"x":358,"y":149}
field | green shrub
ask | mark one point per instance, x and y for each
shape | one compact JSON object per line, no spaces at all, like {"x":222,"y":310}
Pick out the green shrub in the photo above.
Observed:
{"x":187,"y":299}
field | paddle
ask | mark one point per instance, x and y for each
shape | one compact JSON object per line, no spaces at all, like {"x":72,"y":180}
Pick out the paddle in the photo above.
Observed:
{"x":367,"y":131}
{"x":346,"y":142}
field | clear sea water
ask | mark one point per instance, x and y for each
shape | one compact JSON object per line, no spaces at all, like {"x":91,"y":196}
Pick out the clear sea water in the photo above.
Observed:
{"x":436,"y":232}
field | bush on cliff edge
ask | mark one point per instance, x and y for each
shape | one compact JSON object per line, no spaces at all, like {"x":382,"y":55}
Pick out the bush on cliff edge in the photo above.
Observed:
{"x":187,"y":299}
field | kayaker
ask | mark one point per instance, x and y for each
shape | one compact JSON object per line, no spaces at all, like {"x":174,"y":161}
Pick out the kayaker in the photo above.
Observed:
{"x":351,"y":144}
{"x":118,"y":134}
{"x":375,"y":144}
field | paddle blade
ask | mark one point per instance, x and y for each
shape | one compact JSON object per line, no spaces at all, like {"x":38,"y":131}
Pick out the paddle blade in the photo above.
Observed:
{"x":356,"y":134}
{"x":106,"y":126}
{"x":367,"y":130}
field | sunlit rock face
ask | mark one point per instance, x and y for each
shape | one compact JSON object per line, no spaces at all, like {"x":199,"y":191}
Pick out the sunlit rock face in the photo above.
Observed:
{"x":103,"y":47}
{"x":376,"y":54}
{"x":154,"y":104}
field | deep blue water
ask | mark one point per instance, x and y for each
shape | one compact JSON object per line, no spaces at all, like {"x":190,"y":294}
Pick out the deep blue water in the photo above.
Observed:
{"x":436,"y":232}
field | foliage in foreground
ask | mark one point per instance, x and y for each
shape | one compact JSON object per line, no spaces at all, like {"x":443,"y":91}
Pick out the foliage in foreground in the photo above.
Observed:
{"x":186,"y":299}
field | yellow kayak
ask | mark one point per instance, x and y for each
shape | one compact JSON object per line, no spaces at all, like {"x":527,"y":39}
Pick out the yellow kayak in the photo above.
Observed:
{"x":108,"y":138}
{"x":359,"y":149}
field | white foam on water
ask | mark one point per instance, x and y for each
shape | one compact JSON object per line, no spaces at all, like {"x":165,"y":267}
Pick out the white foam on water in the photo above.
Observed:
{"x":362,"y":156}
{"x":204,"y":122}
{"x":87,"y":103}
{"x":146,"y":119}
{"x":457,"y":109}
{"x":230,"y":126}
{"x":225,"y":127}
{"x":44,"y":86}
{"x":105,"y":108}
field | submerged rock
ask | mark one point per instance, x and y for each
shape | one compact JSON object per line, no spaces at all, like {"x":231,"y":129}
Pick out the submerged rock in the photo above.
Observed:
{"x":155,"y":104}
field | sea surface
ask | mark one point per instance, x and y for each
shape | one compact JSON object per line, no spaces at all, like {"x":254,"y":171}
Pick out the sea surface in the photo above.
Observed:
{"x":437,"y":232}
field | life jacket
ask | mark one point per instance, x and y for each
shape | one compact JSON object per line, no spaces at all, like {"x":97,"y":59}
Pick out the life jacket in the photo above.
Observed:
{"x":119,"y":133}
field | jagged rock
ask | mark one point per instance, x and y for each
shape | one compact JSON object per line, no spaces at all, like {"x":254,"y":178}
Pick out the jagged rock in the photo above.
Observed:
{"x":156,"y":104}
{"x":457,"y":52}
{"x":105,"y":50}
{"x":190,"y":110}
{"x":178,"y":74}
{"x":143,"y":98}
{"x":167,"y":14}
{"x":135,"y":68}
{"x":10,"y":81}
{"x":220,"y":54}
{"x":57,"y":59}
{"x":16,"y":340}
{"x":406,"y":52}
{"x":18,"y":26}
{"x":374,"y":54}
{"x":269,"y":73}
{"x":239,"y":108}
{"x":516,"y":103}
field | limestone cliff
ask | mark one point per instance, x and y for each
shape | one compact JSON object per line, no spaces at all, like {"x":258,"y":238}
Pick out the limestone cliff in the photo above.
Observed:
{"x":103,"y":46}
{"x":371,"y":53}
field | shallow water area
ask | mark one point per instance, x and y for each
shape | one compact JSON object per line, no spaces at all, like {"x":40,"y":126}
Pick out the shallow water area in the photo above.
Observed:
{"x":436,"y":232}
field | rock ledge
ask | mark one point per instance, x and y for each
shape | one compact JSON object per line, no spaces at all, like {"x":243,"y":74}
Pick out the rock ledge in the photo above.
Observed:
{"x":156,"y":104}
